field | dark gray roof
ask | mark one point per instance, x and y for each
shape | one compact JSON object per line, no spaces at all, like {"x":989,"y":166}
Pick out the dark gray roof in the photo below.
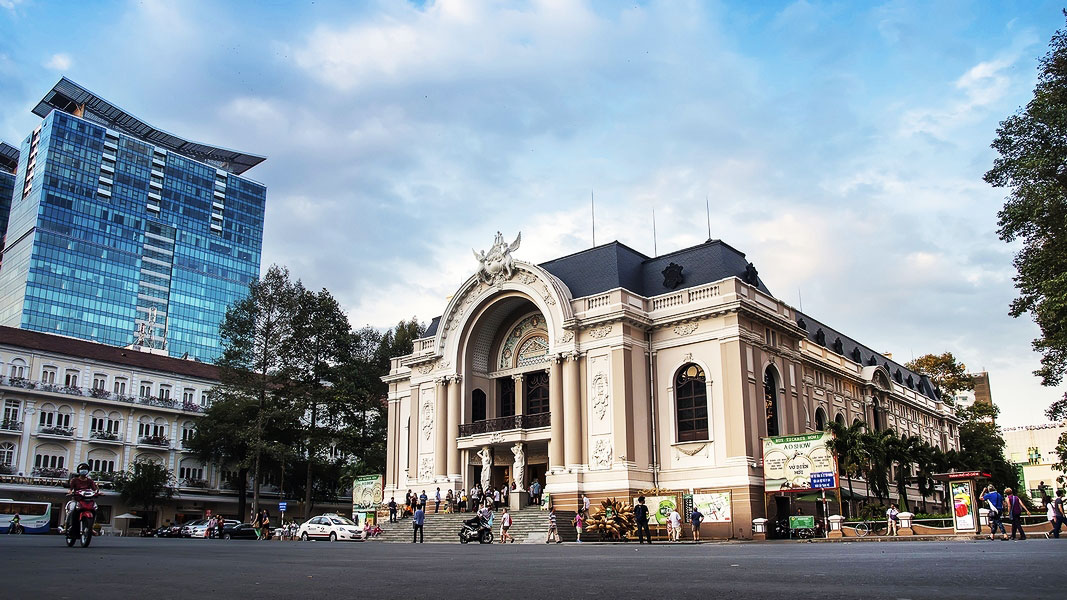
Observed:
{"x":432,"y":329}
{"x":67,"y":96}
{"x":616,"y":265}
{"x":9,"y":157}
{"x":853,"y":350}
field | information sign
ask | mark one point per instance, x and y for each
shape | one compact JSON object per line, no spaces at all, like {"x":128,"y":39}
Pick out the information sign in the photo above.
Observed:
{"x":798,"y":463}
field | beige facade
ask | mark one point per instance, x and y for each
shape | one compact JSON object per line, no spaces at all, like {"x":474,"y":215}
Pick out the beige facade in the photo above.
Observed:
{"x":1033,"y":447}
{"x":615,"y":392}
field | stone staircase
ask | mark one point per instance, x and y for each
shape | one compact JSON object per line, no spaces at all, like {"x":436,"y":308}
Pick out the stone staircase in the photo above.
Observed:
{"x":530,"y":526}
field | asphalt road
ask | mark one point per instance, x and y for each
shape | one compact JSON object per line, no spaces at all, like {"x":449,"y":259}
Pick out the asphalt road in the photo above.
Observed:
{"x":157,"y":569}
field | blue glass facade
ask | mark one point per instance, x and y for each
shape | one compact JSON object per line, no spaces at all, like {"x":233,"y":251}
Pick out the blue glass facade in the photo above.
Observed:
{"x":7,"y":189}
{"x":118,"y":241}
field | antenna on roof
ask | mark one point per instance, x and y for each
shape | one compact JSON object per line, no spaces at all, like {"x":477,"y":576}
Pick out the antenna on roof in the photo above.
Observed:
{"x":707,"y":208}
{"x":592,"y":212}
{"x":801,"y":299}
{"x":655,"y":250}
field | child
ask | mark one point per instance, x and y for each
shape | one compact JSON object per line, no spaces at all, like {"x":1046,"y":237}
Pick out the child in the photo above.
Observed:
{"x":578,"y":522}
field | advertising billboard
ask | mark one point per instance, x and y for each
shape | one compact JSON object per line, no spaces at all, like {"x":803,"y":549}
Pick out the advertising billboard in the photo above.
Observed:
{"x":962,"y":506}
{"x":659,"y":508}
{"x":367,"y":492}
{"x":715,"y":506}
{"x":798,"y":463}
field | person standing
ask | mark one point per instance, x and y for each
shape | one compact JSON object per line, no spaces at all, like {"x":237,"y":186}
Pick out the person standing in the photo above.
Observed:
{"x":505,"y":525}
{"x":257,"y":525}
{"x":535,"y":492}
{"x":496,"y":499}
{"x":265,"y":523}
{"x":995,"y":502}
{"x":416,"y":523}
{"x":676,"y":525}
{"x":696,"y":518}
{"x":422,"y":500}
{"x":392,"y":509}
{"x":579,"y":521}
{"x":1015,"y":510}
{"x":641,"y":516}
{"x":1061,"y":517}
{"x":891,"y":519}
{"x":437,"y":501}
{"x":585,"y":505}
{"x":553,"y":530}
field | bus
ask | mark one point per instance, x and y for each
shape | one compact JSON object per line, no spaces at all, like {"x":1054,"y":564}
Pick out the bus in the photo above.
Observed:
{"x":34,"y":516}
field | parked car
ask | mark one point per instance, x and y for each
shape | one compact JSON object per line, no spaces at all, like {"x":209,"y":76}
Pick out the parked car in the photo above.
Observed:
{"x":239,"y":531}
{"x":330,"y":527}
{"x":188,"y":527}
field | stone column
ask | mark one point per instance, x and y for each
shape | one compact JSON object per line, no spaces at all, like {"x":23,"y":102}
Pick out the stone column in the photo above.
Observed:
{"x":413,"y":433}
{"x":441,"y":429}
{"x":555,"y":405}
{"x":520,"y":394}
{"x":391,"y":479}
{"x":572,"y":401}
{"x":455,"y":402}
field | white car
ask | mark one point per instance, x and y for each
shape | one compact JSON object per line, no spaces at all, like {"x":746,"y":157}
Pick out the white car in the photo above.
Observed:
{"x":330,"y":527}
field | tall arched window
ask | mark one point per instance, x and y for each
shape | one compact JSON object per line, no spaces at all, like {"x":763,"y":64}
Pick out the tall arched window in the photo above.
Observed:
{"x":7,"y":454}
{"x":820,"y":419}
{"x":477,"y":406}
{"x":536,"y":393}
{"x":840,"y":419}
{"x":506,"y":394}
{"x":691,"y":401}
{"x":770,"y":397}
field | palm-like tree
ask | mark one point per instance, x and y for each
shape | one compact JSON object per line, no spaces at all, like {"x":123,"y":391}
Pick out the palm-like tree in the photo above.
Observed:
{"x":845,"y":445}
{"x":877,"y":461}
{"x":926,"y":461}
{"x":904,"y":451}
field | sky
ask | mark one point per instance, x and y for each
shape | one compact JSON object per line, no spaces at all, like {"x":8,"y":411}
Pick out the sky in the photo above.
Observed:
{"x":840,"y":145}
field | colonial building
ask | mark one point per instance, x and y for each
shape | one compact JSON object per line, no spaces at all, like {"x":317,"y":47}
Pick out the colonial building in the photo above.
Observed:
{"x":607,"y":372}
{"x":68,"y":401}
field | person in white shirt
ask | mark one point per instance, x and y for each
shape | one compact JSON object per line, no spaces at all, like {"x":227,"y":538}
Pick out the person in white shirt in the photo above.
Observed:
{"x":585,"y":504}
{"x":505,"y":524}
{"x":496,"y":499}
{"x":891,"y":519}
{"x":676,"y":525}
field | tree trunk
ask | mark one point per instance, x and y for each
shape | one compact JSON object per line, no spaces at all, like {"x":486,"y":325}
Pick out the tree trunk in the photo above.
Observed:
{"x":851,"y":496}
{"x":311,"y":458}
{"x":242,"y":493}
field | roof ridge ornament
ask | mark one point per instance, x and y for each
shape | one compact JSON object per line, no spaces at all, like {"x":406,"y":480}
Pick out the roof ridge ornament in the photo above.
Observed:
{"x":497,"y":264}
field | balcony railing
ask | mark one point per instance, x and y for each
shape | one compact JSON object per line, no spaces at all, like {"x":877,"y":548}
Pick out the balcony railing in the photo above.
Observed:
{"x":100,"y":394}
{"x":505,"y":424}
{"x":56,"y":430}
{"x":154,"y":440}
{"x":50,"y":472}
{"x":104,"y":436}
{"x":195,"y":483}
{"x":10,"y":425}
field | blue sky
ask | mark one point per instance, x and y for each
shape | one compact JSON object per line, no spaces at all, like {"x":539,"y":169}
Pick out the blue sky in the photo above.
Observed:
{"x":840,"y":145}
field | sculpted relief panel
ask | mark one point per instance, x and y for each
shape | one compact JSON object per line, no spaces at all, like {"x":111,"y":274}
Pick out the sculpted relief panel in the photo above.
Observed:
{"x":599,"y":395}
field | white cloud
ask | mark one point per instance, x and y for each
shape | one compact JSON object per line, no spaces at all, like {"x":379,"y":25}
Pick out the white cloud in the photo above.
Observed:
{"x":59,"y":62}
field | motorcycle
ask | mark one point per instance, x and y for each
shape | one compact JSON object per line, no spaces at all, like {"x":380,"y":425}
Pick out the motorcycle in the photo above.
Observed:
{"x":482,"y":533}
{"x":16,"y":529}
{"x":82,"y":515}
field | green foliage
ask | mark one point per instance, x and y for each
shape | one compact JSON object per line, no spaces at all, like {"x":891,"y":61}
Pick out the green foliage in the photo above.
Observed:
{"x":947,"y":374}
{"x":982,"y":446}
{"x":1058,"y":412}
{"x":1033,"y":164}
{"x":144,"y":484}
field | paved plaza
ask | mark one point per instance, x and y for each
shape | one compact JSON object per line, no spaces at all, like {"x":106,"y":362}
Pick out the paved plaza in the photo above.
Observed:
{"x":42,"y":567}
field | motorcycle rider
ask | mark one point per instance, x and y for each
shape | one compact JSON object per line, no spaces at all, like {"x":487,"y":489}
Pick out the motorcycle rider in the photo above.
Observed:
{"x":480,"y":520}
{"x":16,"y":523}
{"x":78,"y":483}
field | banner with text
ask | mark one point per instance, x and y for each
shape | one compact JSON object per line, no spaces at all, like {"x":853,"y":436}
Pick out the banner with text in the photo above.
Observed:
{"x":798,"y":463}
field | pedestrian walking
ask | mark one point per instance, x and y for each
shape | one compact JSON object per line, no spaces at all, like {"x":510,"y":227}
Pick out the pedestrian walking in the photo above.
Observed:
{"x":220,"y":524}
{"x":535,"y":493}
{"x":553,"y":531}
{"x":995,"y":503}
{"x":416,"y":522}
{"x":257,"y":525}
{"x":676,"y":525}
{"x":891,"y":519}
{"x":496,"y":499}
{"x":696,"y":518}
{"x":579,"y":521}
{"x":1015,"y":510}
{"x":437,"y":501}
{"x":505,"y":525}
{"x":641,"y":516}
{"x":585,"y":505}
{"x":392,"y":509}
{"x":450,"y":502}
{"x":504,"y":494}
{"x":265,"y":523}
{"x":1061,"y":516}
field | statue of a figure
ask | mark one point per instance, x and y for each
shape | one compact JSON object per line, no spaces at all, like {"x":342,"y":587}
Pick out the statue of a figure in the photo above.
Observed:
{"x":519,"y":468}
{"x":497,"y":263}
{"x":487,"y":465}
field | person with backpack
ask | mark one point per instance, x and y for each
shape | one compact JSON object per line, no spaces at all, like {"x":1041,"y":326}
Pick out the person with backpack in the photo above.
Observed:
{"x":641,"y":516}
{"x":505,"y":525}
{"x":995,"y":503}
{"x":1015,"y":509}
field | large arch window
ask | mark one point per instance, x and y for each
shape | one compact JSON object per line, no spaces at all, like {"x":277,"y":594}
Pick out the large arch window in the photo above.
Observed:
{"x":820,"y":419}
{"x":839,"y":419}
{"x":526,"y":343}
{"x":770,"y":397}
{"x":536,"y":393}
{"x":477,"y":406}
{"x":691,"y":403}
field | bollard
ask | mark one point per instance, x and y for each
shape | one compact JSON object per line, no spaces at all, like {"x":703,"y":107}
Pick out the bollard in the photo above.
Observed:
{"x":904,"y":521}
{"x":759,"y":529}
{"x":835,"y":526}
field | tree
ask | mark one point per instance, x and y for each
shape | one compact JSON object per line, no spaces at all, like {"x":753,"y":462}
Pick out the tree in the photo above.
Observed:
{"x":1058,"y":412}
{"x":253,"y":334}
{"x":877,"y":462}
{"x":144,"y":484}
{"x":982,"y":447}
{"x":848,"y":451}
{"x":927,"y":460}
{"x":1033,"y":164}
{"x":948,"y":375}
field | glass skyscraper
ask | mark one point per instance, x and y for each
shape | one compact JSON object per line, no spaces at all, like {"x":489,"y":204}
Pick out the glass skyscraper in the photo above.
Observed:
{"x":9,"y":160}
{"x":124,"y":234}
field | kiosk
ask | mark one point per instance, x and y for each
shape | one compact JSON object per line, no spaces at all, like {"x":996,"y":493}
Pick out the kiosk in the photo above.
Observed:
{"x":962,"y":487}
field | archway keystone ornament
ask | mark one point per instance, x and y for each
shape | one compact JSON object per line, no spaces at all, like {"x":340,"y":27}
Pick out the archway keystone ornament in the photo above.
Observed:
{"x":497,"y":265}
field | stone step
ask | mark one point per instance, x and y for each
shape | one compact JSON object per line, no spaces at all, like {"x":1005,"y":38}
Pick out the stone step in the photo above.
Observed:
{"x":530,"y":526}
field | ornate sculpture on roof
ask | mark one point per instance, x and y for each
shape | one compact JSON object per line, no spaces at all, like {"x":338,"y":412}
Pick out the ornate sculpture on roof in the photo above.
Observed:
{"x":497,"y":264}
{"x":672,"y":276}
{"x":751,"y":275}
